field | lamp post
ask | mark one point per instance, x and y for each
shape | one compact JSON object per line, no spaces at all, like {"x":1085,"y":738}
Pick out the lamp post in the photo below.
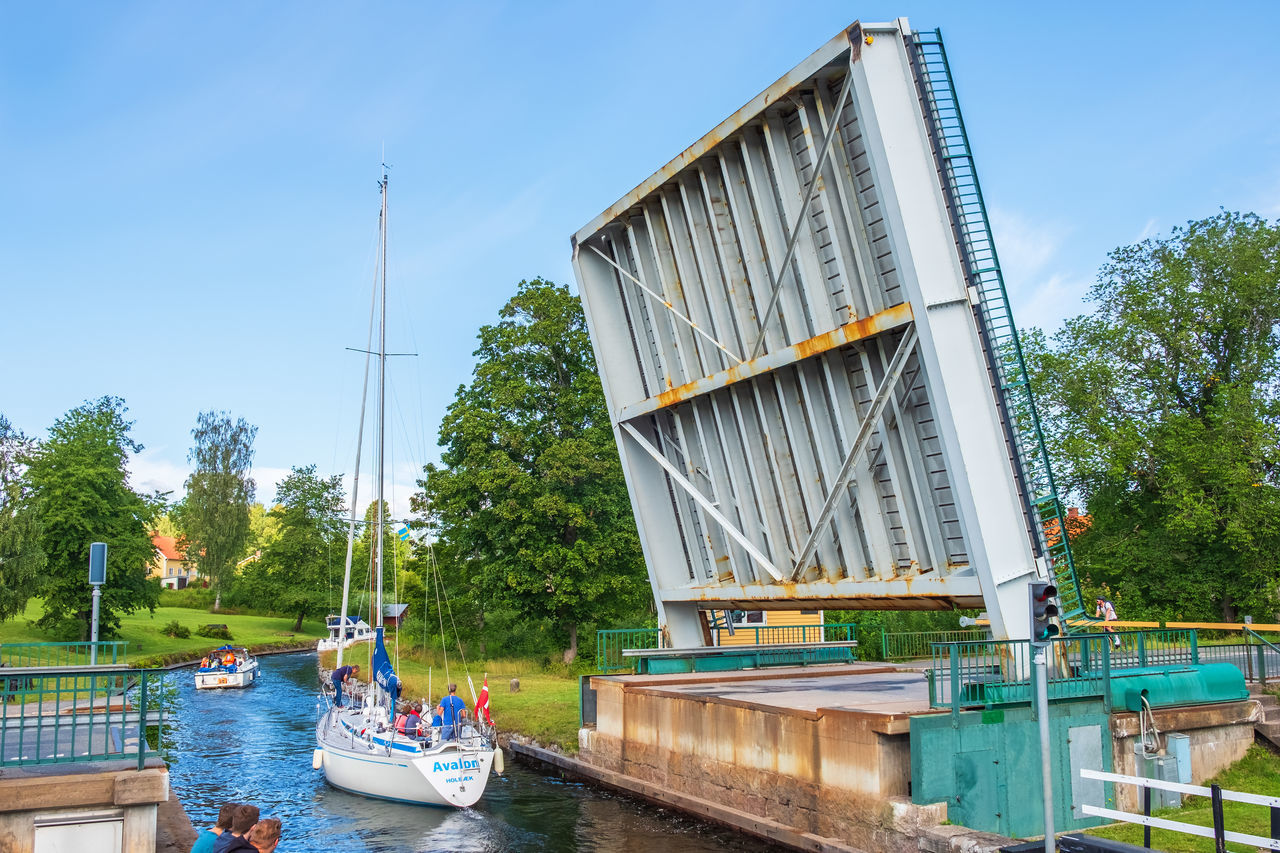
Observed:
{"x":97,"y":577}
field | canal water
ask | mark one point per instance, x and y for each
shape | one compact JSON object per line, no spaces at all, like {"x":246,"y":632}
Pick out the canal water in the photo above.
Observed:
{"x":255,"y":746}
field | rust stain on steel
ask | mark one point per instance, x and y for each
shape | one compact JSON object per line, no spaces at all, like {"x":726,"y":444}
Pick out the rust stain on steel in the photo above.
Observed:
{"x":797,"y":78}
{"x":889,"y":318}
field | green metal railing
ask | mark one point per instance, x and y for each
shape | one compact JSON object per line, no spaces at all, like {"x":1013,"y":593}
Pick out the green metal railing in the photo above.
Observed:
{"x":68,"y":714}
{"x":769,"y":635}
{"x":612,"y":642}
{"x":1265,"y":653}
{"x":997,"y":672}
{"x":63,"y":654}
{"x":982,"y":271}
{"x":919,"y":644}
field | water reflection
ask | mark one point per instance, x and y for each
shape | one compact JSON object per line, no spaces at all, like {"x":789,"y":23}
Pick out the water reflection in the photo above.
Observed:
{"x":255,"y":746}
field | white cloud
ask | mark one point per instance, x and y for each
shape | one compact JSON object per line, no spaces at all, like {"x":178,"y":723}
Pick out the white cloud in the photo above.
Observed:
{"x":1148,"y":230}
{"x":150,"y":471}
{"x":265,"y":479}
{"x":1025,"y":247}
{"x":1043,"y":289}
{"x":400,"y":486}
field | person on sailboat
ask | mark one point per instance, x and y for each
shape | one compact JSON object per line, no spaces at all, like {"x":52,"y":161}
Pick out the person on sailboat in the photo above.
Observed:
{"x":413,"y":722}
{"x":341,"y":676}
{"x":450,"y":706}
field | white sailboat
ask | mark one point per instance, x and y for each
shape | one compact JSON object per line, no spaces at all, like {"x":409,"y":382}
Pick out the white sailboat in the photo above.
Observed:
{"x":358,"y":747}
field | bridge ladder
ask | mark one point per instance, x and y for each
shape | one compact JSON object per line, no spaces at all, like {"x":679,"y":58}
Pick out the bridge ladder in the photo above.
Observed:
{"x":1045,"y":514}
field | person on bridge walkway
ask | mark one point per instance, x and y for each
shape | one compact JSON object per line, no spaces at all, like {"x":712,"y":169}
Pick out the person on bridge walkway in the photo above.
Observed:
{"x":205,"y":841}
{"x":341,"y":676}
{"x":1106,"y":611}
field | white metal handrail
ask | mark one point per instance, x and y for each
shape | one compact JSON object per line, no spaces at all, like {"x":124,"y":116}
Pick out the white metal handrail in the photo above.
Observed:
{"x":1179,"y":826}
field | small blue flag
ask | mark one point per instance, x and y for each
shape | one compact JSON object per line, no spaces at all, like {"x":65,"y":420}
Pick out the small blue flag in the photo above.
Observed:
{"x":403,"y":532}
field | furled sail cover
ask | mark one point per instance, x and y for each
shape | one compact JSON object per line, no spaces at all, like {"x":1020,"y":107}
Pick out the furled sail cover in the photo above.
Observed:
{"x":383,"y":672}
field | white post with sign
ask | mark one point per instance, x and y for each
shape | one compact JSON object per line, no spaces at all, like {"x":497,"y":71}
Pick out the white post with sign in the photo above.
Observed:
{"x":97,"y":577}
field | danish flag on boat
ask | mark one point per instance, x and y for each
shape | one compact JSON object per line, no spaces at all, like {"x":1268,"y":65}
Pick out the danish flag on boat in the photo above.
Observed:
{"x":482,"y":704}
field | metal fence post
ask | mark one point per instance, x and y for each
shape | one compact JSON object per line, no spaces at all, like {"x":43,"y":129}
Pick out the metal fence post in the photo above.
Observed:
{"x":955,"y":679}
{"x":142,"y":720}
{"x":1142,"y":648}
{"x":1106,"y":673}
{"x":1219,"y":831}
{"x":1195,"y":648}
{"x":1146,"y":812}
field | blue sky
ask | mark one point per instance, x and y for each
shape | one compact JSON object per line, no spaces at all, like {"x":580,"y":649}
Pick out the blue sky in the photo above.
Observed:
{"x":189,"y":190}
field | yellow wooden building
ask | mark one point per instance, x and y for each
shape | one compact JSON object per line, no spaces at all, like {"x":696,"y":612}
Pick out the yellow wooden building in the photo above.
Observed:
{"x":766,"y":627}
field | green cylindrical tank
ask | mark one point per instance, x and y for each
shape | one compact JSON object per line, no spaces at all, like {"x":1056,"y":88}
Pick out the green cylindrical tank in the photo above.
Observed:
{"x":1166,"y":687}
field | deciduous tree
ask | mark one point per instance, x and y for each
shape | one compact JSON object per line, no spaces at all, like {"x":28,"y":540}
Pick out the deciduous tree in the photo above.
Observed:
{"x":530,"y":488}
{"x":214,"y":515}
{"x":1163,"y":410}
{"x":21,"y":557}
{"x":80,"y":484}
{"x":293,"y":574}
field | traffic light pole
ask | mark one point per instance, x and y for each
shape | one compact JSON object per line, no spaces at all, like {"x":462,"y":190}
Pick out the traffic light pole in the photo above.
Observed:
{"x":1044,"y":613}
{"x":1041,"y":666}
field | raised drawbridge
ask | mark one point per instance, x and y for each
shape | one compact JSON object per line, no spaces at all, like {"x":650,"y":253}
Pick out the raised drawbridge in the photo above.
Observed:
{"x":809,"y":359}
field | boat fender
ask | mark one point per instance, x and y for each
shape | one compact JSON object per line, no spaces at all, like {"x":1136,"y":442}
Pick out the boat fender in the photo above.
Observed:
{"x":317,"y":759}
{"x":497,"y":760}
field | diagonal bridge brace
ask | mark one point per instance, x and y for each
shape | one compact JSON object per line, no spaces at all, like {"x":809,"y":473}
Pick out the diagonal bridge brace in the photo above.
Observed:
{"x":657,"y":297}
{"x":720,"y":518}
{"x":868,"y":425}
{"x":803,"y":212}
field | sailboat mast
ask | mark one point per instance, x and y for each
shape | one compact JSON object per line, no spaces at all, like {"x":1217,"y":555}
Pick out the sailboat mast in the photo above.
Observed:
{"x":355,"y":478}
{"x":382,"y":396}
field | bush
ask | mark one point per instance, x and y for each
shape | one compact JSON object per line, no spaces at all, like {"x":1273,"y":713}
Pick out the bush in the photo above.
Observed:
{"x":214,"y":632}
{"x":173,"y":629}
{"x":193,"y":597}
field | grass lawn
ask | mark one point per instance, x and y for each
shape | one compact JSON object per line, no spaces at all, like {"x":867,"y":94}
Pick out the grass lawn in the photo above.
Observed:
{"x":147,"y":646}
{"x":1257,"y":773}
{"x":545,"y":709}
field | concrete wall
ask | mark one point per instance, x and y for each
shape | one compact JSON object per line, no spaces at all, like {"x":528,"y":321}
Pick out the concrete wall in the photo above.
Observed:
{"x":91,"y":803}
{"x":833,"y":773}
{"x":1220,"y":735}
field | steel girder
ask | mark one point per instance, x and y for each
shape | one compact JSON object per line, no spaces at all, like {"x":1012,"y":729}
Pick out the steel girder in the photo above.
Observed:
{"x":857,"y":460}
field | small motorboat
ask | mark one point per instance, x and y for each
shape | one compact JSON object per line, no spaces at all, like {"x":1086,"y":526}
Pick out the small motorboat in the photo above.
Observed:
{"x":227,"y":666}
